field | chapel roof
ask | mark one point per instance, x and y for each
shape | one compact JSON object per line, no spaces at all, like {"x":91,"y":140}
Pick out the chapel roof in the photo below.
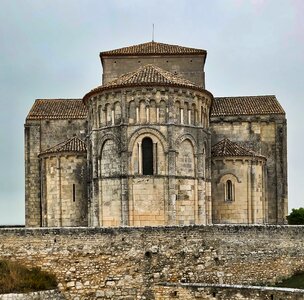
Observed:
{"x":48,"y":109}
{"x":73,"y":144}
{"x":153,"y":48}
{"x":225,"y":148}
{"x":246,"y":105}
{"x":146,"y":75}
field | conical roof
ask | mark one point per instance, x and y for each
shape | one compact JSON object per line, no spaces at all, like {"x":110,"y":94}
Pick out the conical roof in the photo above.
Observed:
{"x":153,"y":48}
{"x":73,"y":144}
{"x":225,"y":148}
{"x":147,"y":75}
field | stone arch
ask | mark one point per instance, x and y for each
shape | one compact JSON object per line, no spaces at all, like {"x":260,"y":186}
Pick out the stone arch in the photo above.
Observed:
{"x":152,"y":117}
{"x":227,"y":183}
{"x":162,"y":111}
{"x":100,"y":116}
{"x":159,"y":151}
{"x":109,"y":159}
{"x":108,"y":136}
{"x":142,"y":112}
{"x":108,"y":114}
{"x":147,"y":130}
{"x":185,"y":159}
{"x":117,"y":113}
{"x":132,"y":112}
{"x":228,"y":176}
{"x":183,"y":137}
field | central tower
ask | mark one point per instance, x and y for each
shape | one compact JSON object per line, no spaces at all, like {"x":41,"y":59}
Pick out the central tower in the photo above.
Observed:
{"x":149,"y":138}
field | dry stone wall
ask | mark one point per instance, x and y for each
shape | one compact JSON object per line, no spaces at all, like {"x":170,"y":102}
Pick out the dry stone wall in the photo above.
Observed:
{"x":43,"y":295}
{"x":131,"y":263}
{"x":224,"y":292}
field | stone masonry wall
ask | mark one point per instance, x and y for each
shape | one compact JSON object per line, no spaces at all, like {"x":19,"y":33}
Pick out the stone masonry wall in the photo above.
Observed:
{"x":42,"y":295}
{"x":190,"y":291}
{"x":266,"y":135}
{"x":247,"y":205}
{"x":190,"y":67}
{"x":131,"y":263}
{"x":39,"y":136}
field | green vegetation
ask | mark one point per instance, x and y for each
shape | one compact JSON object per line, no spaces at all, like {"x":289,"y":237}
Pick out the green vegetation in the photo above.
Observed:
{"x":296,"y":281}
{"x":296,"y":216}
{"x":15,"y":278}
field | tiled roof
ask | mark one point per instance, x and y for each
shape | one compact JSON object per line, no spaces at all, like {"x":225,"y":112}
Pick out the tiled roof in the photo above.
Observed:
{"x":153,"y":48}
{"x":44,"y":109}
{"x":73,"y":144}
{"x":226,"y":148}
{"x":248,"y":105}
{"x":146,"y":75}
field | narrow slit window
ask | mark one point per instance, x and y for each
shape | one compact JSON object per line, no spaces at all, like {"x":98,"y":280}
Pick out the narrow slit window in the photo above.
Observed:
{"x":74,"y":193}
{"x":147,"y":156}
{"x":229,"y":191}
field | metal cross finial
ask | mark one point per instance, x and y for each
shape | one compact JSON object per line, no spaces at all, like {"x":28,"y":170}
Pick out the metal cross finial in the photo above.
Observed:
{"x":153,"y":32}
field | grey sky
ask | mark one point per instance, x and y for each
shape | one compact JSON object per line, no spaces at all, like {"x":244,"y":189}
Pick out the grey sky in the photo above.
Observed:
{"x":49,"y":49}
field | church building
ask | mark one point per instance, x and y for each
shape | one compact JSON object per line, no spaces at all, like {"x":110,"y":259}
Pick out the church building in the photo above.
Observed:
{"x":151,"y":146}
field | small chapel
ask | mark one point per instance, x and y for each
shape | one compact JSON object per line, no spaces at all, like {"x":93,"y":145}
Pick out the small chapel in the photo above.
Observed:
{"x":151,"y":146}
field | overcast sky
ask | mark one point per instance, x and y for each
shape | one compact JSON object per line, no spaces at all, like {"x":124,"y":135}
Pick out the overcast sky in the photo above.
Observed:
{"x":50,"y":49}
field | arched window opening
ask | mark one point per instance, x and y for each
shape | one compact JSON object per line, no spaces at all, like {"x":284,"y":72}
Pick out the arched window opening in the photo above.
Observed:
{"x":147,"y":156}
{"x":229,"y":190}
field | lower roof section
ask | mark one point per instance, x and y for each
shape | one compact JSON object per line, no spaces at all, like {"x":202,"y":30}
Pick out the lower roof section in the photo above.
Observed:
{"x":246,"y":105}
{"x":48,"y":109}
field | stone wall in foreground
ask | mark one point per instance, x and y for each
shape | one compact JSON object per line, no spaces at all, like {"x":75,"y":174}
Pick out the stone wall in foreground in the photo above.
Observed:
{"x":131,"y":263}
{"x":42,"y":295}
{"x":188,"y":291}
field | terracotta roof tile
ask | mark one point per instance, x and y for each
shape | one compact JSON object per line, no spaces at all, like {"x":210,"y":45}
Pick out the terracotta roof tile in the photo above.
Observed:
{"x":226,"y":148}
{"x":153,"y":48}
{"x":44,"y":109}
{"x":146,"y":75}
{"x":248,"y":105}
{"x":73,"y":144}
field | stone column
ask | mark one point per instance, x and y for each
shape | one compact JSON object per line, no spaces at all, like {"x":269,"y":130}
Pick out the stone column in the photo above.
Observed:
{"x":95,"y":184}
{"x":253,"y":191}
{"x":155,"y":158}
{"x":58,"y":167}
{"x":137,"y":114}
{"x":113,"y":117}
{"x":43,"y":192}
{"x":140,"y":171}
{"x":201,"y":208}
{"x":172,"y":193}
{"x":249,"y":216}
{"x":182,"y":116}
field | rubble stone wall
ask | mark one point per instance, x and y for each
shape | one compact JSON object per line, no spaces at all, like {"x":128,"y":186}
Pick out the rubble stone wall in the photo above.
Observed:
{"x":131,"y":263}
{"x":42,"y":295}
{"x":225,"y":292}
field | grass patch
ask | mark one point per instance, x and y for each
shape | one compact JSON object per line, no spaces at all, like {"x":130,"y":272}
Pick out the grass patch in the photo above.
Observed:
{"x":15,"y":278}
{"x":295,"y":281}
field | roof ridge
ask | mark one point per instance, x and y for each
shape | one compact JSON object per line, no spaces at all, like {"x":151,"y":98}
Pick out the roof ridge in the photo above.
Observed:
{"x":245,"y":96}
{"x":73,"y":144}
{"x":152,"y":47}
{"x":226,"y":147}
{"x":246,"y":105}
{"x":51,"y":109}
